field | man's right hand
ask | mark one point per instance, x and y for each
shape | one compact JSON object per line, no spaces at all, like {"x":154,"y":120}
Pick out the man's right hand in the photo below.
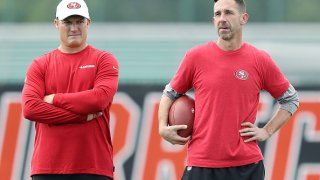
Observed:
{"x":93,"y":116}
{"x":169,"y":133}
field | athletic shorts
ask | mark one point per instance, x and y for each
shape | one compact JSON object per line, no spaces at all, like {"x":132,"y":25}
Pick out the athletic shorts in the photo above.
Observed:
{"x":69,"y":177}
{"x":253,"y":171}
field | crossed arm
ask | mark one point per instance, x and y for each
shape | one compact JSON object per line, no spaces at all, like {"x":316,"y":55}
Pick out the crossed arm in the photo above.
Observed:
{"x":65,"y":108}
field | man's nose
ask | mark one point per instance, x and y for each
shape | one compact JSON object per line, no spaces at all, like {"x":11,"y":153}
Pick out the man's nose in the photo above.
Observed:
{"x":222,"y":17}
{"x":74,"y":27}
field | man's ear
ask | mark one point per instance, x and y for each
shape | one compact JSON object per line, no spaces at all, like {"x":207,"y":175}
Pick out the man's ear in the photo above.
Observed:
{"x":55,"y":22}
{"x":244,"y":18}
{"x":88,"y":22}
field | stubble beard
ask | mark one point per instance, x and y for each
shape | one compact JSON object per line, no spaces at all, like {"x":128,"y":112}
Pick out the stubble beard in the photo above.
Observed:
{"x":226,"y":36}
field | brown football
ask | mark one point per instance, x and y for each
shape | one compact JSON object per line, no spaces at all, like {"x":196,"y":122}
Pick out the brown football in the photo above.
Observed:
{"x":182,"y":113}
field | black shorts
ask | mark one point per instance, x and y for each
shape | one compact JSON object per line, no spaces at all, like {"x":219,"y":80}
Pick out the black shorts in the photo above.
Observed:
{"x":253,"y":171}
{"x":69,"y":177}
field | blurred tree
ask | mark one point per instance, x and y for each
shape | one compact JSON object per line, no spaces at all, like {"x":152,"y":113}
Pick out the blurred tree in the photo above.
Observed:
{"x":161,"y":10}
{"x":302,"y":11}
{"x":203,"y":11}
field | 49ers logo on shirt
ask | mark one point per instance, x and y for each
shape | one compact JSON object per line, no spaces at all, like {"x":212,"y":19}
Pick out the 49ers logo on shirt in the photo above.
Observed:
{"x":74,"y":5}
{"x":241,"y":74}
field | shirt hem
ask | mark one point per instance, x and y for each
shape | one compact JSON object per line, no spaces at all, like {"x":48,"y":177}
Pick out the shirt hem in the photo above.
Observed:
{"x":96,"y":172}
{"x":223,"y":164}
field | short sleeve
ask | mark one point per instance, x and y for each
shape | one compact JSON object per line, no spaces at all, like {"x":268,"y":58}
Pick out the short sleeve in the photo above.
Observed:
{"x":183,"y":78}
{"x":274,"y":80}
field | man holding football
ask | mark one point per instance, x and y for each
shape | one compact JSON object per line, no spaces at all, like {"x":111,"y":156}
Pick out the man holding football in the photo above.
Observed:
{"x":227,"y":76}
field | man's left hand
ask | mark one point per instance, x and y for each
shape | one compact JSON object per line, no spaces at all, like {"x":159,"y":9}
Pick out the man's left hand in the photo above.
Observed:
{"x":48,"y":98}
{"x":257,"y":134}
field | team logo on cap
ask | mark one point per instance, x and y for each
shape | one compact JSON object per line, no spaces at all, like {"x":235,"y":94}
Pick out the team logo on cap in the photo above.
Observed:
{"x":74,"y":5}
{"x":241,"y":74}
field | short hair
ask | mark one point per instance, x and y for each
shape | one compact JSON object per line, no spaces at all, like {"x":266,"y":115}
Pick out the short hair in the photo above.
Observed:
{"x":241,"y":4}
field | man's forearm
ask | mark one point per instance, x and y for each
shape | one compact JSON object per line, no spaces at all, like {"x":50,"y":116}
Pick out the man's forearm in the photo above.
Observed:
{"x":279,"y":119}
{"x":85,"y":102}
{"x":40,"y":111}
{"x":163,"y":112}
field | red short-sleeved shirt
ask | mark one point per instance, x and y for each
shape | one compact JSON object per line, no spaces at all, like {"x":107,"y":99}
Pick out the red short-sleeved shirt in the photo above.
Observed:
{"x":227,"y":85}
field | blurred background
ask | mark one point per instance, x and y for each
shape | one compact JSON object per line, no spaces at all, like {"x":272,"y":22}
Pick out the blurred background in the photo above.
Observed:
{"x":149,"y":38}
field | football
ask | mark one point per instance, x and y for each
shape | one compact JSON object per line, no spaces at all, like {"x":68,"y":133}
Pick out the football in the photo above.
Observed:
{"x":182,"y":113}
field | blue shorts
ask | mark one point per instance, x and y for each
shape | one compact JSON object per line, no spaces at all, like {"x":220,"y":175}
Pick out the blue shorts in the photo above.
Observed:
{"x":253,"y":171}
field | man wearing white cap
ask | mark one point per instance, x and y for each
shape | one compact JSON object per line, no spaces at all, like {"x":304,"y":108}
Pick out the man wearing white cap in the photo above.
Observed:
{"x":68,"y":93}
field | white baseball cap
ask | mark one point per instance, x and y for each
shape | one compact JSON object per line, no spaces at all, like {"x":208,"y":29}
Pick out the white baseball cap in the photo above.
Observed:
{"x":68,"y":8}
